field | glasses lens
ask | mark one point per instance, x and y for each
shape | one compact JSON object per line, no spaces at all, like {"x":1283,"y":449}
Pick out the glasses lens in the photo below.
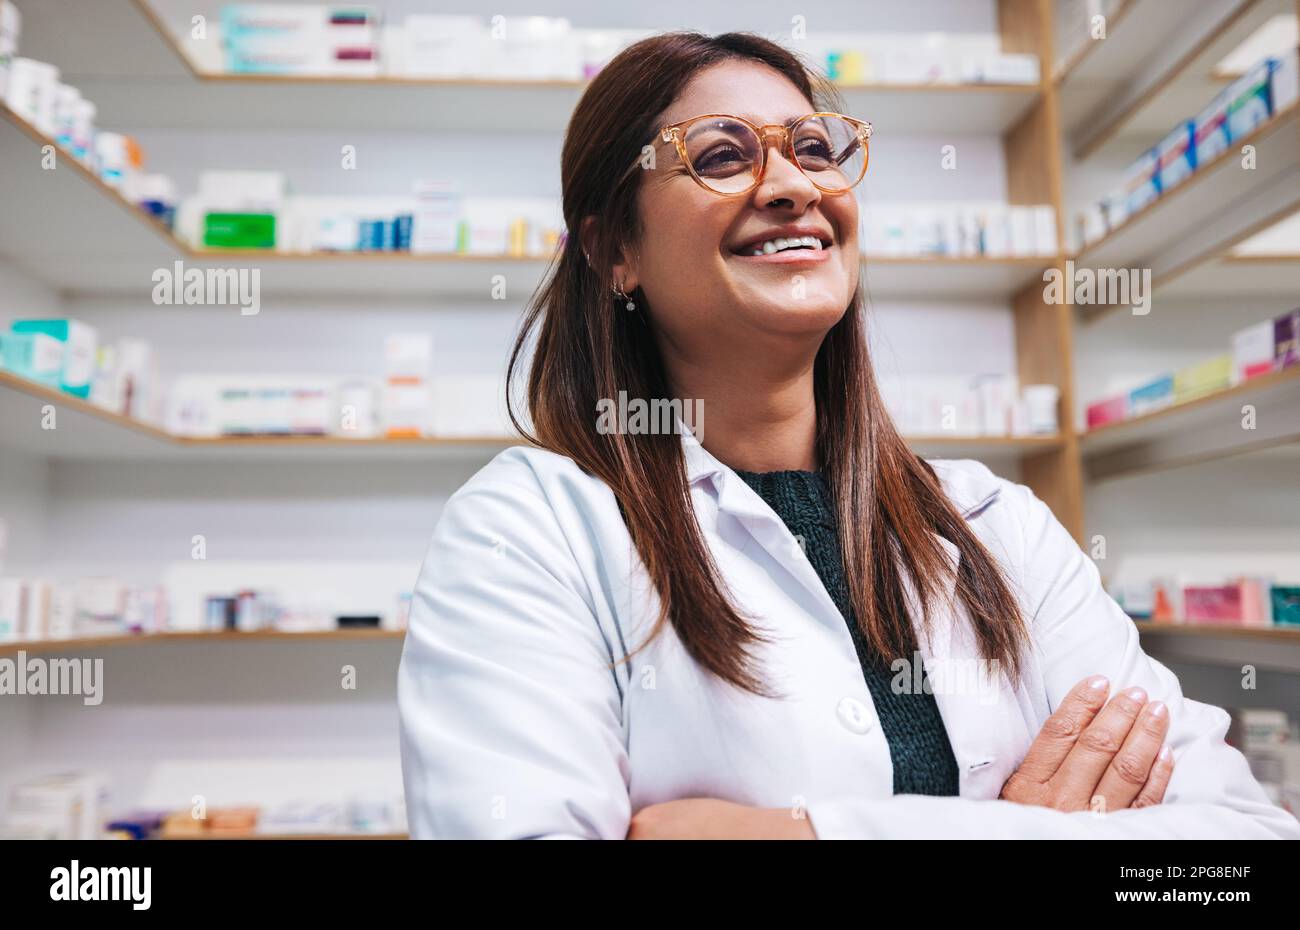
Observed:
{"x":724,"y":153}
{"x":830,"y":151}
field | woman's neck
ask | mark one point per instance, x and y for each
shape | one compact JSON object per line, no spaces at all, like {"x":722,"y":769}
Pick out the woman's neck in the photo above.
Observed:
{"x":755,"y":420}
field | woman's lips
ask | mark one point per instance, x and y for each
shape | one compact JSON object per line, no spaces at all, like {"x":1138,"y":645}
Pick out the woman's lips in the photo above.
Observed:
{"x":788,"y":257}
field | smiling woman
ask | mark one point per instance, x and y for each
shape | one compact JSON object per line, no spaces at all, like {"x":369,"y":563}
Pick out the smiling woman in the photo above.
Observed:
{"x":632,"y":633}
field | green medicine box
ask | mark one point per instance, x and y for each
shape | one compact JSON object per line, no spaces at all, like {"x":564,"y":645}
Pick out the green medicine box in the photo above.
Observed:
{"x":239,"y":231}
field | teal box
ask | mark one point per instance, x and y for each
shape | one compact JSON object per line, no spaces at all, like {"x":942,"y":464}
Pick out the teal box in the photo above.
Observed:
{"x":1286,"y":605}
{"x":1152,"y":396}
{"x":34,"y":356}
{"x":79,"y":343}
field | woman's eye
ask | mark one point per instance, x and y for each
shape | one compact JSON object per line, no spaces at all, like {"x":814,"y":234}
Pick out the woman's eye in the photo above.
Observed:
{"x":719,"y":159}
{"x":815,"y":148}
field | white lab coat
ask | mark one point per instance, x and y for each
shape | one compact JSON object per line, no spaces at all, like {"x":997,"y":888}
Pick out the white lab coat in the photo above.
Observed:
{"x":514,"y":725}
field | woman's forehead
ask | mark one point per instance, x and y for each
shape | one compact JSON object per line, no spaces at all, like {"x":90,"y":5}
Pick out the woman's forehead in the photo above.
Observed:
{"x":748,"y":89}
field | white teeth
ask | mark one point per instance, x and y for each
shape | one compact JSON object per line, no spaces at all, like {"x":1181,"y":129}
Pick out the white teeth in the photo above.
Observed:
{"x":781,"y":243}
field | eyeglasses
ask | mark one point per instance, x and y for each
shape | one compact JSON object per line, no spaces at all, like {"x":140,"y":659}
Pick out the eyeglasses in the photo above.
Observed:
{"x":728,"y":155}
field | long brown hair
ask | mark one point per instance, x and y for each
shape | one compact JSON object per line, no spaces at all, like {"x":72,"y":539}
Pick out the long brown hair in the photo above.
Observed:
{"x":587,"y":348}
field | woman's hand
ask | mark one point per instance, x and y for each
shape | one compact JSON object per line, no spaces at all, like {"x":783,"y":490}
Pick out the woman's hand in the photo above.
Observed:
{"x":711,"y":819}
{"x":1091,"y":755}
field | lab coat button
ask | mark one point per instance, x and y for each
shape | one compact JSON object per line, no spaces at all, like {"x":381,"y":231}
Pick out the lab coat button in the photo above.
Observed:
{"x":854,"y":715}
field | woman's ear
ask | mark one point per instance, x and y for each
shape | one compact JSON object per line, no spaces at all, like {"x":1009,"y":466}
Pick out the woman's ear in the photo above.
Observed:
{"x":624,"y":270}
{"x":587,"y":236}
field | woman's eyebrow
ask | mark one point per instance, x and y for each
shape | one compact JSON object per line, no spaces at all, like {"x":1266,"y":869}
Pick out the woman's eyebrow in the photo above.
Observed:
{"x":759,"y":121}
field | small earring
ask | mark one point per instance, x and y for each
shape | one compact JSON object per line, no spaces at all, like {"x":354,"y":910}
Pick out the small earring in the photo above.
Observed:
{"x":618,"y":291}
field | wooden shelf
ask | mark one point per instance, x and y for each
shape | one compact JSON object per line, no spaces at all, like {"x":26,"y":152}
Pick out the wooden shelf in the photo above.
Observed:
{"x":1099,"y":68}
{"x":144,"y":79}
{"x":1273,"y":634}
{"x":1221,"y":273}
{"x":1198,"y":430}
{"x":85,"y":431}
{"x":87,"y":643}
{"x":1199,"y":200}
{"x":1234,"y":277}
{"x":1274,"y":648}
{"x":963,"y":278}
{"x":310,"y":837}
{"x":982,"y":447}
{"x":375,"y":104}
{"x":1170,"y":71}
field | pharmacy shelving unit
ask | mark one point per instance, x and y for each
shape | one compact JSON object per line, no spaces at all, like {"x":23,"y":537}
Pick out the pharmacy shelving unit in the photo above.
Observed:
{"x":1223,"y":270}
{"x":1200,"y":429}
{"x":1155,"y":66}
{"x":1189,"y":236}
{"x":1198,"y":202}
{"x":201,"y":639}
{"x":82,"y":238}
{"x":1119,"y":96}
{"x":140,"y":77}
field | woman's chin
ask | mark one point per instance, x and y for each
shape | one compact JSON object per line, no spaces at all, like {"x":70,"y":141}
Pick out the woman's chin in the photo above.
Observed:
{"x":809,"y":313}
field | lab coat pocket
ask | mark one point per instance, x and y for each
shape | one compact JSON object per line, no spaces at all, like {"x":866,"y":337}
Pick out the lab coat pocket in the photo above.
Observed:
{"x":988,"y":718}
{"x":995,"y":734}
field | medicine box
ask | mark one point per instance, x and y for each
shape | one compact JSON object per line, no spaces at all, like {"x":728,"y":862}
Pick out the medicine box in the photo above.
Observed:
{"x":407,"y":408}
{"x":1177,"y":154}
{"x":34,"y":356}
{"x":442,"y":46}
{"x":12,"y":608}
{"x":1213,"y":374}
{"x":1286,"y":81}
{"x":300,"y":39}
{"x":242,"y":191}
{"x":239,"y":231}
{"x":1250,"y":101}
{"x":1286,"y":604}
{"x":1252,"y":351}
{"x":1152,"y":396}
{"x":1212,"y":137}
{"x":1212,"y":603}
{"x":10,"y":23}
{"x":1286,"y":340}
{"x":79,"y":342}
{"x":1142,"y":181}
{"x":1110,"y":410}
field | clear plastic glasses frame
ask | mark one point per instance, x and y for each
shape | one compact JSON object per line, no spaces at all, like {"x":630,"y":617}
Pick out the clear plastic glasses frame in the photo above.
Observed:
{"x":677,"y":133}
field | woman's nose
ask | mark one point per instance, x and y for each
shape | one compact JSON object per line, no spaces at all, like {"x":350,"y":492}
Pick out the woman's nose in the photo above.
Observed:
{"x":783,"y":180}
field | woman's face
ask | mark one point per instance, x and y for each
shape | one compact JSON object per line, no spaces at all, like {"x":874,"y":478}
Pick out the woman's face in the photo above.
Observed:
{"x":695,"y":259}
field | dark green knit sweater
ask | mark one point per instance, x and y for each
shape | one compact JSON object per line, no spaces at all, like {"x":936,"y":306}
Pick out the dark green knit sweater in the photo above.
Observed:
{"x":918,"y":742}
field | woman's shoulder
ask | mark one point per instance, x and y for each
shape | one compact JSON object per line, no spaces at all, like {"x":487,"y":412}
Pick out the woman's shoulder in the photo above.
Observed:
{"x":1004,"y":512}
{"x":527,"y":471}
{"x":972,"y":486}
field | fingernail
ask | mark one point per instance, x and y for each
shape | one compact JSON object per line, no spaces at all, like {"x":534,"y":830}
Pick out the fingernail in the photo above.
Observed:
{"x":1164,"y":752}
{"x":1158,"y":709}
{"x":1098,"y":683}
{"x":1137,"y":694}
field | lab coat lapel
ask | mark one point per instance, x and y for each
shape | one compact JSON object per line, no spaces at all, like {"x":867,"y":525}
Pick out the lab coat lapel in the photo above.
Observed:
{"x":973,"y":697}
{"x":976,"y":702}
{"x":738,"y":499}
